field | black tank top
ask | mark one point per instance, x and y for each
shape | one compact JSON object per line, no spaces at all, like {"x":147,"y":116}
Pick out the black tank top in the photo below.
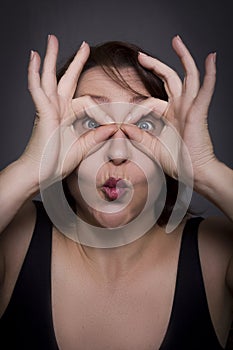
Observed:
{"x":27,"y":321}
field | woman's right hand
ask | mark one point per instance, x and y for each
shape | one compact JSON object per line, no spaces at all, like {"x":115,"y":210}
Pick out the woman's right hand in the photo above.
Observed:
{"x":54,"y":150}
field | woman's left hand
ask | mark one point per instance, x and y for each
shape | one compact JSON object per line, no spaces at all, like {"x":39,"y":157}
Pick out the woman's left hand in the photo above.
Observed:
{"x":185,"y":140}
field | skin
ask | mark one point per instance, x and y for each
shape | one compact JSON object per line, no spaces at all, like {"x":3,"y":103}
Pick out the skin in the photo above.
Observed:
{"x":117,"y":158}
{"x":123,"y":281}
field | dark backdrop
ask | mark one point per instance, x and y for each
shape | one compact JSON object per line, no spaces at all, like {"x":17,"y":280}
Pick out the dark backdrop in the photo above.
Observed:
{"x":205,"y":26}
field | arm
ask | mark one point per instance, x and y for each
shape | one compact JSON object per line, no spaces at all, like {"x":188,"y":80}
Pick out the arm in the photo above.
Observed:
{"x":15,"y":190}
{"x":185,"y":146}
{"x":217,"y":186}
{"x":56,"y":112}
{"x":186,"y":114}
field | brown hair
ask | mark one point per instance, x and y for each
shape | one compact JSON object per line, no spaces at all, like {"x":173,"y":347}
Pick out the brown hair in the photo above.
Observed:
{"x":111,"y":57}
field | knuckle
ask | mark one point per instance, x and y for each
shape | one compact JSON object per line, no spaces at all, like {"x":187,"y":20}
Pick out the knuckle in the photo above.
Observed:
{"x":48,"y":71}
{"x":85,"y":100}
{"x":31,"y":88}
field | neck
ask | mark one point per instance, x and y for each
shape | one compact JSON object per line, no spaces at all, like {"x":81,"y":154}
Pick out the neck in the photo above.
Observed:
{"x":115,"y":252}
{"x":114,"y":264}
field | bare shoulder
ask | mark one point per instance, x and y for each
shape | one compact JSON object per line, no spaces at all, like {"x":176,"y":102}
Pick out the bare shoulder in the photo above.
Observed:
{"x":14,"y":241}
{"x":216,"y":248}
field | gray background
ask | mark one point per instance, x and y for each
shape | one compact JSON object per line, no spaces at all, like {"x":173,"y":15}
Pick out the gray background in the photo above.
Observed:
{"x":205,"y":26}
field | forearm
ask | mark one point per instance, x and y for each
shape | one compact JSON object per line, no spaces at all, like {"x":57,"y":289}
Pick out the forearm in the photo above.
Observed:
{"x":217,"y":186}
{"x":16,"y":187}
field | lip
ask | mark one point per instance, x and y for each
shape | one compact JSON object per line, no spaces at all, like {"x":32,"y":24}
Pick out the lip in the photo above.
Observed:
{"x":114,"y":188}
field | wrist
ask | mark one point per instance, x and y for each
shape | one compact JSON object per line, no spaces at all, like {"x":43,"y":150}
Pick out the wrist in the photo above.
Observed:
{"x":212,"y":177}
{"x":205,"y":178}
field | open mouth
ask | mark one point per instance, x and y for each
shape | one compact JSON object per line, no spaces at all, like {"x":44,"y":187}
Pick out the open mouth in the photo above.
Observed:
{"x":114,"y":188}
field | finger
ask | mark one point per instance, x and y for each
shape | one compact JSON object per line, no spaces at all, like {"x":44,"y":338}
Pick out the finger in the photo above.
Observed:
{"x":94,"y":111}
{"x":85,"y":106}
{"x":68,"y":83}
{"x":48,"y":77}
{"x":93,"y":140}
{"x":150,"y":105}
{"x":141,"y":139}
{"x":163,"y":149}
{"x":75,"y":149}
{"x":206,"y":91}
{"x":172,"y":82}
{"x":191,"y":82}
{"x":34,"y":86}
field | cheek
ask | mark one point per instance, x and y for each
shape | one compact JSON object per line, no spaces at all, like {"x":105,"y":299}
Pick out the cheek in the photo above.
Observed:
{"x":84,"y":183}
{"x":155,"y":179}
{"x":145,"y":176}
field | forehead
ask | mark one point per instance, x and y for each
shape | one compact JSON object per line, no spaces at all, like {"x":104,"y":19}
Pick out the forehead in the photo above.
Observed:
{"x":96,"y":83}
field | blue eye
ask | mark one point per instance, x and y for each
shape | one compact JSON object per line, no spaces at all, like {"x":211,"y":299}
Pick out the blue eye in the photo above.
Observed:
{"x":145,"y":125}
{"x":91,"y":124}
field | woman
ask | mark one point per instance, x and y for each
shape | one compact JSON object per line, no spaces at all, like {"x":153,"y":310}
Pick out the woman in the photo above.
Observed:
{"x":113,"y":125}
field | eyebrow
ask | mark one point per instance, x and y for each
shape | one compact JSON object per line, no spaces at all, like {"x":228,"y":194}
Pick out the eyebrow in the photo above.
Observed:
{"x":105,"y":99}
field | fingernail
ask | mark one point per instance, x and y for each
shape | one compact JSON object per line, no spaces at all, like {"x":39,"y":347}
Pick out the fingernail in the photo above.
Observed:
{"x":83,"y":44}
{"x":32,"y":54}
{"x":179,"y":38}
{"x":214,"y":56}
{"x":124,"y":129}
{"x":49,"y":36}
{"x":142,"y":53}
{"x":113,"y":129}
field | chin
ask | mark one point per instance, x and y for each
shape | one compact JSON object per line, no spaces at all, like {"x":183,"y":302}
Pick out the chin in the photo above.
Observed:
{"x":113,"y":220}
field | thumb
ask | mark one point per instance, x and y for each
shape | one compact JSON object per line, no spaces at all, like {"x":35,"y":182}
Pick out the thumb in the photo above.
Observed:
{"x":141,"y":139}
{"x":92,"y":140}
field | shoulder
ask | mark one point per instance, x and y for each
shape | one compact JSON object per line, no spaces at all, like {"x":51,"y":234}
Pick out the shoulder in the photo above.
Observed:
{"x":216,"y":233}
{"x":216,"y":249}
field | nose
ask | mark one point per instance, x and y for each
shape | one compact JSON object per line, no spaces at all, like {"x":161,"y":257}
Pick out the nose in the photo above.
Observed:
{"x":118,"y":150}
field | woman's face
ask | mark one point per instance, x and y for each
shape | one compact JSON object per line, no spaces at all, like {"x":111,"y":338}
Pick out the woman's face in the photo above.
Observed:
{"x":111,"y":185}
